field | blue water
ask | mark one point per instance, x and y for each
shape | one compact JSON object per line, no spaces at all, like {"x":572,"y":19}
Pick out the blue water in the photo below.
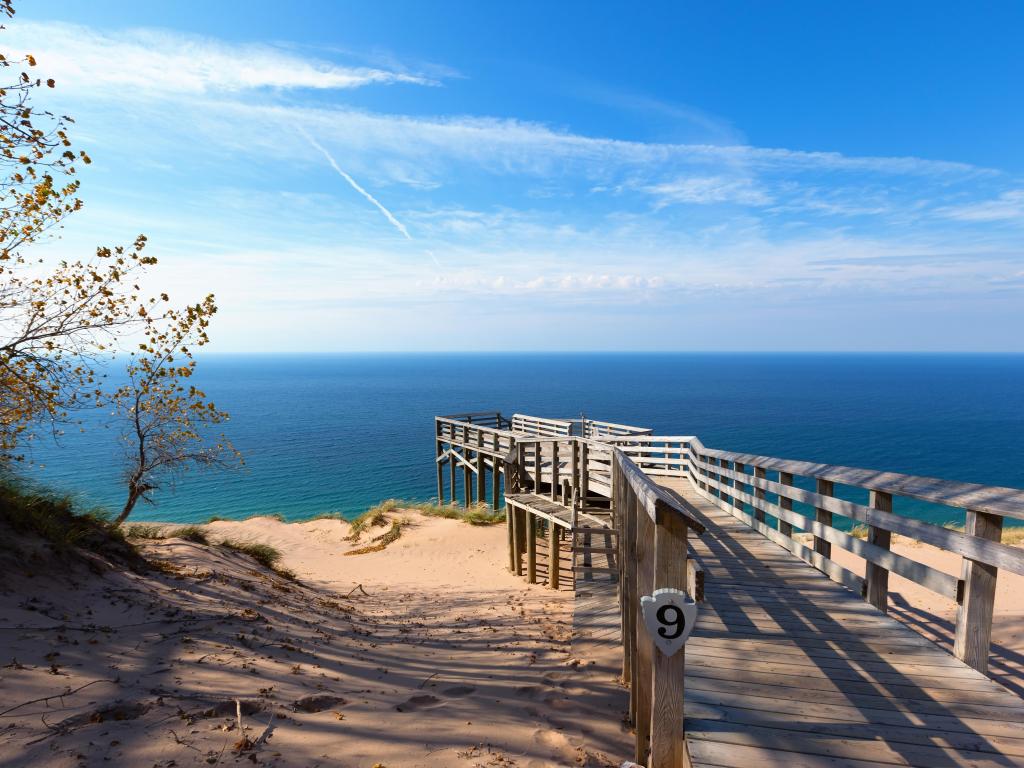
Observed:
{"x":339,"y":433}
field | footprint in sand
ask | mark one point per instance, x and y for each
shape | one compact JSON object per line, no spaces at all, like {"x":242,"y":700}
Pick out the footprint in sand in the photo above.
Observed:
{"x":556,"y":743}
{"x":459,"y":690}
{"x":420,"y":701}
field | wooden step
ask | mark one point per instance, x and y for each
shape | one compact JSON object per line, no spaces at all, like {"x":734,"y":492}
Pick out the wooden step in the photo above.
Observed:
{"x":595,"y":569}
{"x":594,"y":530}
{"x":592,"y":550}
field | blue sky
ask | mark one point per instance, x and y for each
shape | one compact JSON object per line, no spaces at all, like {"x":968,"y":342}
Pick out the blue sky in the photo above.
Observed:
{"x":475,"y":176}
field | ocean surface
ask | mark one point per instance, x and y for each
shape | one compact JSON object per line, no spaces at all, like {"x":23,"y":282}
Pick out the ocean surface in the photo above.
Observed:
{"x":338,"y":433}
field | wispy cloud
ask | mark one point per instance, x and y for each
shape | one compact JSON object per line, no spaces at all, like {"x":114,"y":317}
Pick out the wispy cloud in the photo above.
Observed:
{"x":1009,"y":206}
{"x":355,"y":185}
{"x":148,"y":61}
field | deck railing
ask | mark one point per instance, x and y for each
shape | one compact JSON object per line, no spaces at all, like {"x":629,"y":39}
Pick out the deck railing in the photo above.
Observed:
{"x":807,"y":508}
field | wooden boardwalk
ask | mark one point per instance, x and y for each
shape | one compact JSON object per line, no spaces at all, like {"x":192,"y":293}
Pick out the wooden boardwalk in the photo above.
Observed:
{"x":793,"y":662}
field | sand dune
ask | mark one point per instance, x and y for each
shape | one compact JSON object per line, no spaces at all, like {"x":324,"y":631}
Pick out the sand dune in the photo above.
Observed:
{"x":426,"y":654}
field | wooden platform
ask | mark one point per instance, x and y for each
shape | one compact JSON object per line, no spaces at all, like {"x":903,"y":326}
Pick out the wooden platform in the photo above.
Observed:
{"x":788,"y":669}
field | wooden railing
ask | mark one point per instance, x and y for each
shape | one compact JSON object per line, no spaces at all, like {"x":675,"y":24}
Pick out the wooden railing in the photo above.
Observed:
{"x":767,"y":494}
{"x":807,"y":508}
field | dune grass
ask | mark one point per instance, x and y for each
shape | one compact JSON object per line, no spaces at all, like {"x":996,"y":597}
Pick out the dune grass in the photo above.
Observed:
{"x":55,"y":518}
{"x":193,"y":533}
{"x":264,"y":554}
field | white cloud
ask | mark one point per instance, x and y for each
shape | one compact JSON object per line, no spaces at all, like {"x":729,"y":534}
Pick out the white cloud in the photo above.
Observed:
{"x":705,"y":190}
{"x":1008,"y":206}
{"x":144,"y":62}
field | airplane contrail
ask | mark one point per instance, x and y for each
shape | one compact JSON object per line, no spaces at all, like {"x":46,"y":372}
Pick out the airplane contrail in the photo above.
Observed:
{"x":355,"y":185}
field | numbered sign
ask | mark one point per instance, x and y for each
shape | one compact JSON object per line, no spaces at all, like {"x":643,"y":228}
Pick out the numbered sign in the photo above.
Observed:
{"x":669,"y":615}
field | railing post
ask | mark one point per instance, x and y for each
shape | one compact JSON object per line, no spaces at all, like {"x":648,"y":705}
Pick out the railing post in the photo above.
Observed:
{"x":974,"y":615}
{"x":668,"y":738}
{"x":451,"y":466}
{"x":537,"y":459}
{"x":554,"y":471}
{"x":739,"y":469}
{"x":876,"y":576}
{"x":823,"y":516}
{"x":467,"y":473}
{"x":584,"y":478}
{"x":643,"y":671}
{"x":531,"y":547}
{"x":481,"y":470}
{"x":553,"y":554}
{"x":440,"y":464}
{"x":785,"y":478}
{"x":510,"y":487}
{"x":496,"y":474}
{"x":759,"y":493}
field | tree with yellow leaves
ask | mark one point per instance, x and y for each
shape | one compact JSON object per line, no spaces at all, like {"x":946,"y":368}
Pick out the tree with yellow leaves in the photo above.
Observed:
{"x":168,"y":420}
{"x":55,"y":322}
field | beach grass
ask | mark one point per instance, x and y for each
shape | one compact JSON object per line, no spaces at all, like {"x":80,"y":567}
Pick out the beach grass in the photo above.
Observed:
{"x":55,"y":518}
{"x":264,"y":554}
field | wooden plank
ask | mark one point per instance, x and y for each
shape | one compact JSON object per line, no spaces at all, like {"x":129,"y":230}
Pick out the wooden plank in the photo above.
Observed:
{"x":667,"y":738}
{"x":644,"y":556}
{"x":876,"y":575}
{"x":553,"y":557}
{"x":974,"y":615}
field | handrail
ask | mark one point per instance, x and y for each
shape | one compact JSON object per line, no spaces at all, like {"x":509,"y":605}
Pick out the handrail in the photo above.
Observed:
{"x":763,"y":492}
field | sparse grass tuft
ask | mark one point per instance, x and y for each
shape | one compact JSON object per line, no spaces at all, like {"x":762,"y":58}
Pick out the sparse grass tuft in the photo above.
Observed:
{"x":191,"y":533}
{"x":54,"y":518}
{"x":214,"y":519}
{"x":478,"y":514}
{"x":264,"y":554}
{"x":1012,"y":536}
{"x":375,"y":517}
{"x":144,"y":531}
{"x":380,"y":542}
{"x":859,"y":532}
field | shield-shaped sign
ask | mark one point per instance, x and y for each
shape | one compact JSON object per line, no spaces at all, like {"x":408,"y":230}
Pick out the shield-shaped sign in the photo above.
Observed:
{"x":669,"y":615}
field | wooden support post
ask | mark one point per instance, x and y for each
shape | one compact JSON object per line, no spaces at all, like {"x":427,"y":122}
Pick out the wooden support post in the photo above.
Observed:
{"x":974,"y":615}
{"x":531,"y":548}
{"x":467,"y":473}
{"x":538,"y":457}
{"x":520,"y":524}
{"x":495,"y":476}
{"x":739,"y":469}
{"x":668,"y":739}
{"x":440,"y":463}
{"x":481,"y":470}
{"x":785,"y":478}
{"x":553,"y":554}
{"x":584,"y":477}
{"x":643,"y":671}
{"x":877,"y":576}
{"x":627,"y":589}
{"x":823,"y":516}
{"x":510,"y":531}
{"x":759,"y":493}
{"x":574,"y":468}
{"x":451,"y":470}
{"x":554,"y":471}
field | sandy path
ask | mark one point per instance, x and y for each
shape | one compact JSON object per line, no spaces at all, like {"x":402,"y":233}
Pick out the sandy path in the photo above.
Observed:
{"x":442,"y":658}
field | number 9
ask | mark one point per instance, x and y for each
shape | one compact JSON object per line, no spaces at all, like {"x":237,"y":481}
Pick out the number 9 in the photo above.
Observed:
{"x":670,"y":616}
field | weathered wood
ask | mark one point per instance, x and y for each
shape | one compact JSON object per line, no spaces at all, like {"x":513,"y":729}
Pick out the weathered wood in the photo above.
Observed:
{"x":785,"y":478}
{"x":555,"y":484}
{"x":977,"y":548}
{"x":553,"y":557}
{"x":531,"y":547}
{"x":876,"y":577}
{"x":695,"y":580}
{"x":974,"y":614}
{"x":822,"y":546}
{"x":452,"y":475}
{"x":481,"y":471}
{"x":668,"y":739}
{"x":495,"y":479}
{"x":761,"y":474}
{"x":643,"y":670}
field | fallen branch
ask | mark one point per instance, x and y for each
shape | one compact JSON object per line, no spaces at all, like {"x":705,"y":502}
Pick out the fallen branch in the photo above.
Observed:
{"x":360,"y":588}
{"x":66,"y":692}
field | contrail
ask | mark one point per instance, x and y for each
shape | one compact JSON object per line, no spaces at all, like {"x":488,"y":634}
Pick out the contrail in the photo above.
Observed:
{"x":355,"y":185}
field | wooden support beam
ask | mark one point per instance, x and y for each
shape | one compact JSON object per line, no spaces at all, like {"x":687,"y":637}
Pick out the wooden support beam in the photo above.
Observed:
{"x":537,"y":459}
{"x":974,"y":615}
{"x":451,"y":472}
{"x":554,"y":472}
{"x":553,"y":555}
{"x":520,"y":523}
{"x":440,"y":465}
{"x":823,"y":516}
{"x":876,"y":577}
{"x":643,"y":671}
{"x":531,"y":547}
{"x":668,"y":737}
{"x":762,"y":474}
{"x":785,"y":478}
{"x":495,"y":476}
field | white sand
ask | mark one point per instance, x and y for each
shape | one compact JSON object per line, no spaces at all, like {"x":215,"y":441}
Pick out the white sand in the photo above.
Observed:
{"x":446,"y":660}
